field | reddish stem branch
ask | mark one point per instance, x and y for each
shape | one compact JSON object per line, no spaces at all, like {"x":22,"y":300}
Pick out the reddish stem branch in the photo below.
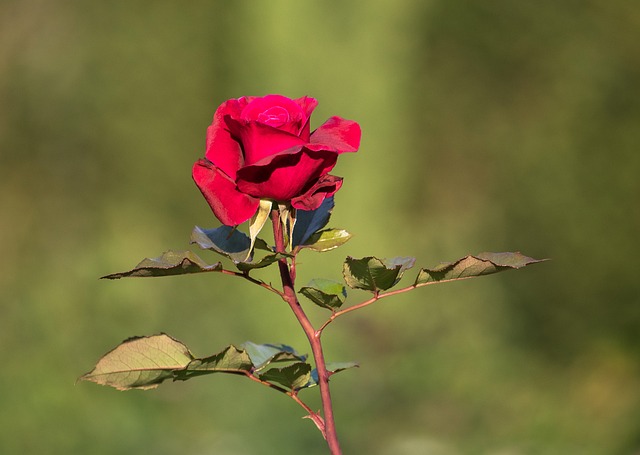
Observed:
{"x":246,"y":276}
{"x":314,"y":416}
{"x":373,"y":299}
{"x":289,"y":295}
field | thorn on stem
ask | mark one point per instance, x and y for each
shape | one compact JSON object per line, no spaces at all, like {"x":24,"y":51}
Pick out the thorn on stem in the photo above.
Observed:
{"x":318,"y":421}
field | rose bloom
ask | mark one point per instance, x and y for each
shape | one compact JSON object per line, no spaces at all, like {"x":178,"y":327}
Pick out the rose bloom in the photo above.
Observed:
{"x":262,"y":148}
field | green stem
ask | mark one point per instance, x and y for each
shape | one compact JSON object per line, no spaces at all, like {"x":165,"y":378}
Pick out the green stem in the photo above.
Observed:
{"x":289,"y":296}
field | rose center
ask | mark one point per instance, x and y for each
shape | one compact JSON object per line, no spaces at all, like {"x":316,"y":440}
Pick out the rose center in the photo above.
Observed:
{"x":275,"y":116}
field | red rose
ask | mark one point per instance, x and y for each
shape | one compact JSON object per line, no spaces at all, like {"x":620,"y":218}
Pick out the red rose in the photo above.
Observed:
{"x":262,"y":148}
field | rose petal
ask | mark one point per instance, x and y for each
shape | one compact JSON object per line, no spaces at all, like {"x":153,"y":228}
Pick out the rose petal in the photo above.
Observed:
{"x":285,"y":176}
{"x":229,"y":205}
{"x":326,"y":186}
{"x":261,"y":141}
{"x":277,"y":111}
{"x":307,"y":104}
{"x":222,"y":149}
{"x":338,"y":135}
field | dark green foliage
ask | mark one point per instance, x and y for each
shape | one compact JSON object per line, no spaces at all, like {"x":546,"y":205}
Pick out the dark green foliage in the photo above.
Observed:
{"x":474,"y":266}
{"x":325,"y":293}
{"x":170,"y":263}
{"x":308,"y":222}
{"x":146,"y":362}
{"x":373,"y":274}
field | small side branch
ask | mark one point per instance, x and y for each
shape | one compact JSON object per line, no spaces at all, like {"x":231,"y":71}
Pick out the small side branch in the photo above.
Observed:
{"x":366,"y":303}
{"x":293,"y":394}
{"x":253,"y":280}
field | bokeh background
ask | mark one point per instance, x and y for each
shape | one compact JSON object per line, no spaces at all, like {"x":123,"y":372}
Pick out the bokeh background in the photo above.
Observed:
{"x":494,"y":125}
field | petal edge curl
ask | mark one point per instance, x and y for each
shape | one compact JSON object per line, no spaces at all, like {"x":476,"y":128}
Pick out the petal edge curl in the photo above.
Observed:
{"x":222,"y":149}
{"x":285,"y":176}
{"x":326,"y":186}
{"x":229,"y":205}
{"x":336,"y":134}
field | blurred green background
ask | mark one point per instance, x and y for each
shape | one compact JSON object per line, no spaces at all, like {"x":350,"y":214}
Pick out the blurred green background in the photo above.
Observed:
{"x":495,"y":125}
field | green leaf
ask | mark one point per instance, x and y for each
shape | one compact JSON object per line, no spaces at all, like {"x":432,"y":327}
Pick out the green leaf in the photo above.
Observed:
{"x":170,"y":263}
{"x":230,"y":360}
{"x":310,"y":221}
{"x":264,"y":354}
{"x":294,"y":376}
{"x":325,"y":293}
{"x":235,"y":245}
{"x":326,"y":240}
{"x":264,"y":262}
{"x":225,"y":240}
{"x":473,"y":266}
{"x":145,"y":362}
{"x":373,"y":274}
{"x":140,"y":363}
{"x":333,"y":368}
